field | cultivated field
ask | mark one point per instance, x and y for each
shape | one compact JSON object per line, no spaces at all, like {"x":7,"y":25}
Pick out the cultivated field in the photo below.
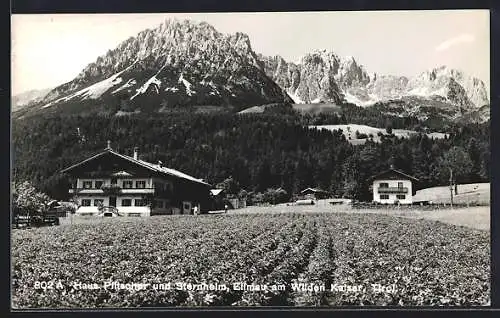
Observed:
{"x":339,"y":258}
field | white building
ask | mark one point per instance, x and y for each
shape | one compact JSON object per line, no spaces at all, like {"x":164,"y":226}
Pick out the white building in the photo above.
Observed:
{"x":113,"y":184}
{"x":393,"y":186}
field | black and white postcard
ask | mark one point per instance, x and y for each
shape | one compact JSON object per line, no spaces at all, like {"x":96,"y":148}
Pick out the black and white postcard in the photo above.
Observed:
{"x":267,"y":159}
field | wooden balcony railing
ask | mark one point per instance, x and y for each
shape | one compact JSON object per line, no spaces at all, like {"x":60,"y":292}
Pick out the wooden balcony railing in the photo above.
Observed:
{"x":392,"y":190}
{"x":111,"y":188}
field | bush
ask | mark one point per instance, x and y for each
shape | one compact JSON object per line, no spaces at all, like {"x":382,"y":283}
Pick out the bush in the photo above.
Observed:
{"x":276,"y":196}
{"x":28,"y":200}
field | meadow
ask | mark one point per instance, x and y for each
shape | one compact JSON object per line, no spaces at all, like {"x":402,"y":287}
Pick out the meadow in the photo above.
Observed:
{"x":251,"y":259}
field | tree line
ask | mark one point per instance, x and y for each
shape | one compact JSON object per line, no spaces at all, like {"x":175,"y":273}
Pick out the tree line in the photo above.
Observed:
{"x":271,"y":150}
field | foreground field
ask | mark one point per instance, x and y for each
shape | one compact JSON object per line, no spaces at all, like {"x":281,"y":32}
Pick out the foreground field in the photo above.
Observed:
{"x":294,"y":259}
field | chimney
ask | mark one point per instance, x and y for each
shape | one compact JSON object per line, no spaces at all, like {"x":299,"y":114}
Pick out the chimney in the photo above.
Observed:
{"x":136,"y":153}
{"x":392,"y":166}
{"x":109,"y":145}
{"x":160,"y":164}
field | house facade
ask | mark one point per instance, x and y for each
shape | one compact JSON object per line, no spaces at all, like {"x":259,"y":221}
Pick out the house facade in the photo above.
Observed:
{"x":393,"y":187}
{"x":113,"y":184}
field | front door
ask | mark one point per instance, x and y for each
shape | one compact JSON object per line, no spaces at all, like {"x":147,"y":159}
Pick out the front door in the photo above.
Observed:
{"x":112,"y":201}
{"x":186,"y":207}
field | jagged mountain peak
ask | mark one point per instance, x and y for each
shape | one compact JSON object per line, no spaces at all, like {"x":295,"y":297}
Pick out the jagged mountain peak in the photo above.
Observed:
{"x":177,"y":62}
{"x":445,"y":81}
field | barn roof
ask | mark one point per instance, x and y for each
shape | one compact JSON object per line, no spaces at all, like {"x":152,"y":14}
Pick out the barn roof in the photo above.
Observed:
{"x":151,"y":166}
{"x":316,"y":190}
{"x":216,"y":191}
{"x":393,"y":171}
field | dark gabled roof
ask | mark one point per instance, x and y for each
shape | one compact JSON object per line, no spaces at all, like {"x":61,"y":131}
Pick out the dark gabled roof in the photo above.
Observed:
{"x":394,"y":171}
{"x":145,"y":164}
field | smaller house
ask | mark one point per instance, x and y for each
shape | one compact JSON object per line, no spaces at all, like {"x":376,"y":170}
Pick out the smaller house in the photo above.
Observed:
{"x":314,"y":193}
{"x":393,"y":186}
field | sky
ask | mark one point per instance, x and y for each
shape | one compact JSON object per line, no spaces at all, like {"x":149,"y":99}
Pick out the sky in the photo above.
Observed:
{"x":51,"y":49}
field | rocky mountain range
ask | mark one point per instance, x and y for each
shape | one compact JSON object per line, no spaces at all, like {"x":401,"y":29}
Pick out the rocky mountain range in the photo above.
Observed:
{"x":183,"y":63}
{"x":323,"y":76}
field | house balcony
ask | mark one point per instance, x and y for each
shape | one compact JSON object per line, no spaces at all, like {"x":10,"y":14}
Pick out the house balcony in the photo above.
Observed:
{"x":396,"y":190}
{"x":112,"y":190}
{"x":138,"y":191}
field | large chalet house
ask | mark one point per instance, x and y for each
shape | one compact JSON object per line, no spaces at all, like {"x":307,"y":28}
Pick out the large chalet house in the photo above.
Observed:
{"x":113,"y":184}
{"x":393,"y":186}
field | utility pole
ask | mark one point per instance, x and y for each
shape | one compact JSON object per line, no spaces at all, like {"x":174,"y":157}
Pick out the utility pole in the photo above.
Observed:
{"x":451,"y":187}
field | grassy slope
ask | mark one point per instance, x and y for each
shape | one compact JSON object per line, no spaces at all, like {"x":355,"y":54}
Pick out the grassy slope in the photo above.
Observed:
{"x":349,"y":132}
{"x":302,"y":108}
{"x":474,"y":192}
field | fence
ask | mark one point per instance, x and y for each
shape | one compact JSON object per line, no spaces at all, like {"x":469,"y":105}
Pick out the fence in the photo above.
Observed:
{"x":414,"y":206}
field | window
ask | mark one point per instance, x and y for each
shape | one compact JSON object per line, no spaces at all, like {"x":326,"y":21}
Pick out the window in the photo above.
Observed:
{"x":384,"y":185}
{"x":400,"y":184}
{"x":401,"y":196}
{"x":98,"y":202}
{"x":86,"y":202}
{"x":140,"y":184}
{"x":98,"y":184}
{"x":384,"y":197}
{"x":87,"y":184}
{"x":126,"y":202}
{"x":139,"y":202}
{"x":127,"y":184}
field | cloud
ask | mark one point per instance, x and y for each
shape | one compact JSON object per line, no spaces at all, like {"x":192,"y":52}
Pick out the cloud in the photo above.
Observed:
{"x":463,"y":38}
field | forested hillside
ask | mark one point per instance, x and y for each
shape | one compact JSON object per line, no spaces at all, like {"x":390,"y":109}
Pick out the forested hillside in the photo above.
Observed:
{"x":259,"y":151}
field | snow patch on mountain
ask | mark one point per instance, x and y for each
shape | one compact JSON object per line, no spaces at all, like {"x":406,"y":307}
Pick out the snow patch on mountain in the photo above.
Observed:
{"x":212,"y":86}
{"x":93,"y":91}
{"x":187,"y":85}
{"x":350,"y":98}
{"x":130,"y":83}
{"x":295,"y":97}
{"x":143,"y":89}
{"x":153,"y":80}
